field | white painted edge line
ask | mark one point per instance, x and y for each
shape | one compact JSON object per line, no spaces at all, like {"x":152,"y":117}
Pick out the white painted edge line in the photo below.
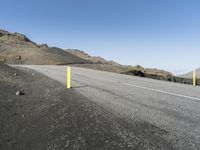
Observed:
{"x":164,"y":92}
{"x":145,"y":88}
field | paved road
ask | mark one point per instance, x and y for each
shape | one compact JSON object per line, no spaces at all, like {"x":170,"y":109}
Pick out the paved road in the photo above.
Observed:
{"x":172,"y":110}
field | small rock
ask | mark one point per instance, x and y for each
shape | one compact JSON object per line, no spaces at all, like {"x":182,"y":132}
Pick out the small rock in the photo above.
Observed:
{"x":15,"y":74}
{"x":19,"y":93}
{"x":23,"y":116}
{"x":18,"y":57}
{"x":2,"y":59}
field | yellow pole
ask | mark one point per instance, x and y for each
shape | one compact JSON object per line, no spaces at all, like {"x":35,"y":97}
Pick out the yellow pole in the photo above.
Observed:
{"x":194,"y":78}
{"x":68,"y":78}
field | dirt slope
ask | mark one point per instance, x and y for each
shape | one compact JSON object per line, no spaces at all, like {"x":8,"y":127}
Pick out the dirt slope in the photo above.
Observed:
{"x":94,"y":59}
{"x":16,"y":48}
{"x":103,"y":67}
{"x":49,"y":56}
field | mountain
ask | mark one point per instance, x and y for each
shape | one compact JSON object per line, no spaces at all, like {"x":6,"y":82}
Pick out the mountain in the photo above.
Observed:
{"x":16,"y":48}
{"x":94,"y":59}
{"x":189,"y":74}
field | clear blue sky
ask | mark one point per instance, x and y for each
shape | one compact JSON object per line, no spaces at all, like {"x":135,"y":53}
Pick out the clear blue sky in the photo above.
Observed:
{"x":152,"y":33}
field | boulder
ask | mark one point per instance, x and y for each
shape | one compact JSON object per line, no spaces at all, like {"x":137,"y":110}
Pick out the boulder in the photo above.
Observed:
{"x":18,"y":57}
{"x":2,"y":59}
{"x":18,"y":93}
{"x":21,"y":37}
{"x":43,"y":46}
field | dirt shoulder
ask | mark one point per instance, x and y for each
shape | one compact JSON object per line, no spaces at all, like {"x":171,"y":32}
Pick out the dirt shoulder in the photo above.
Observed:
{"x":49,"y":117}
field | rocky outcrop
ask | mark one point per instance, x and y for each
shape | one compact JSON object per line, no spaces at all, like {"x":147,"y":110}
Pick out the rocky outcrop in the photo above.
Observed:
{"x":14,"y":36}
{"x":2,"y":60}
{"x":16,"y":39}
{"x":43,"y":46}
{"x":150,"y":73}
{"x":19,"y":40}
{"x":21,"y":37}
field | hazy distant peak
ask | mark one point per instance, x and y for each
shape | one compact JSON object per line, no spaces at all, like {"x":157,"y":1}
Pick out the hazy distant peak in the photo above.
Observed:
{"x":189,"y":74}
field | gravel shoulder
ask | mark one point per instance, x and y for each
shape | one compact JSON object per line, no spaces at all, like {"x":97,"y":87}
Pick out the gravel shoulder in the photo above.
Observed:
{"x":50,"y":117}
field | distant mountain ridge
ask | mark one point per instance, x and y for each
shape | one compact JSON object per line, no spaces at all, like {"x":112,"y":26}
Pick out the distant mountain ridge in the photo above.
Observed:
{"x":189,"y":74}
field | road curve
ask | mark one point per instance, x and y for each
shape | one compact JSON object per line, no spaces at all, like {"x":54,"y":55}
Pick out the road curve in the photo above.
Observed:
{"x":172,"y":110}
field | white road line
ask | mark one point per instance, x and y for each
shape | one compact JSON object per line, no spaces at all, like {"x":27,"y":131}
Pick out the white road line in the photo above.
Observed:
{"x":145,"y":88}
{"x":164,"y":92}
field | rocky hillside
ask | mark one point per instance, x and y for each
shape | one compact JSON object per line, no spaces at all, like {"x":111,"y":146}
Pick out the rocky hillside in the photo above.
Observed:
{"x":16,"y":48}
{"x":189,"y":75}
{"x":149,"y":73}
{"x":19,"y":40}
{"x":94,"y":59}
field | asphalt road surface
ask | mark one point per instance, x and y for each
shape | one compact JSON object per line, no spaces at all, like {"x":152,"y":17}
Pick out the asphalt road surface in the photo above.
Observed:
{"x":170,"y":112}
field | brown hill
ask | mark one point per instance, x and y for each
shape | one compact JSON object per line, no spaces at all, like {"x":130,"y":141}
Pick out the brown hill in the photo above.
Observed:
{"x":16,"y":48}
{"x":104,"y":67}
{"x":94,"y":59}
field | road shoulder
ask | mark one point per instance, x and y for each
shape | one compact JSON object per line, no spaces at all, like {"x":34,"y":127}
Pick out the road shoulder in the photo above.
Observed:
{"x":47,"y":116}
